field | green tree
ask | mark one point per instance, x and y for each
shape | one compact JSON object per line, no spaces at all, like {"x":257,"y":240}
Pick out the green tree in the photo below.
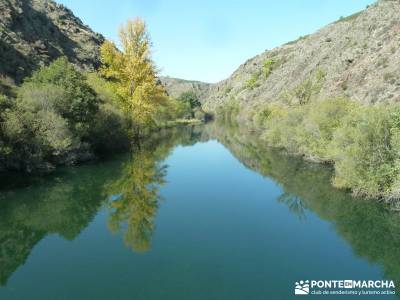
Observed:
{"x":191,"y":98}
{"x":75,"y":101}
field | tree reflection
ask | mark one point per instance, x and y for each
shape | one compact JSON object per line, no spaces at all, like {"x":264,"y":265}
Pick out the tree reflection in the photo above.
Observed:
{"x":62,"y":204}
{"x":138,"y":198}
{"x":134,"y":197}
{"x":65,"y":203}
{"x":371,"y":228}
{"x":294,"y":204}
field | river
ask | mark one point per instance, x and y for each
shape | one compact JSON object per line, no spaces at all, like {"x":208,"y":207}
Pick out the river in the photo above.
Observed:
{"x":193,"y":213}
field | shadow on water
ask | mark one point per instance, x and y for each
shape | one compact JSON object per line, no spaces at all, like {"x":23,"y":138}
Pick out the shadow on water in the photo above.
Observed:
{"x":128,"y":187}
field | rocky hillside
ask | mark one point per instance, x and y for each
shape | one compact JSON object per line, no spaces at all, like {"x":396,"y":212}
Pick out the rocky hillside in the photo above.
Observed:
{"x":35,"y":32}
{"x":175,"y":87}
{"x":357,"y":56}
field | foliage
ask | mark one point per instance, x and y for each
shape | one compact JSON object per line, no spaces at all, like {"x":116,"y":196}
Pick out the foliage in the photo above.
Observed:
{"x":229,"y":110}
{"x":191,"y":98}
{"x":306,"y":90}
{"x":318,"y":126}
{"x":138,"y":204}
{"x":189,"y":102}
{"x":306,"y":187}
{"x":367,"y":151}
{"x":70,"y":95}
{"x":110,"y":128}
{"x":363,"y":142}
{"x":133,"y":73}
{"x":268,"y":66}
{"x":252,"y":82}
{"x":36,"y":137}
{"x":103,"y":89}
{"x":57,"y":118}
{"x":136,"y":192}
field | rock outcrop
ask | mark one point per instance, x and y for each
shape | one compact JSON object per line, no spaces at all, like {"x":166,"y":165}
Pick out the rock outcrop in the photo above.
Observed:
{"x":356,"y":57}
{"x":35,"y":32}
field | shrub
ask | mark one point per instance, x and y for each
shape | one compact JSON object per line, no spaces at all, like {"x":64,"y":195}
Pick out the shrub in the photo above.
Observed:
{"x":261,"y":116}
{"x":316,"y":131}
{"x":366,"y":151}
{"x":229,"y":110}
{"x":252,"y":82}
{"x":109,"y":131}
{"x":78,"y":103}
{"x":191,"y":98}
{"x":268,"y":66}
{"x":363,"y":142}
{"x":187,"y":105}
{"x":37,"y":138}
{"x":104,"y":90}
{"x":50,"y":120}
{"x":283,"y":126}
{"x":303,"y":92}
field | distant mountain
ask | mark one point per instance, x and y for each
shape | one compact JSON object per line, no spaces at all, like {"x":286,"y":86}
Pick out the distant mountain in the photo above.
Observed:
{"x":175,"y":87}
{"x":356,"y":57}
{"x":35,"y":32}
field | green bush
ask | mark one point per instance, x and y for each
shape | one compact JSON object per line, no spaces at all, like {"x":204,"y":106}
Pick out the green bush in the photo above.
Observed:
{"x":362,"y":142}
{"x":37,"y":138}
{"x":49,"y":122}
{"x":191,"y":98}
{"x":104,"y":90}
{"x":283,"y":126}
{"x":110,"y":129}
{"x":366,"y":151}
{"x":252,"y":82}
{"x":306,"y":90}
{"x":228,"y":111}
{"x":77,"y":101}
{"x":318,"y":126}
{"x":268,"y":66}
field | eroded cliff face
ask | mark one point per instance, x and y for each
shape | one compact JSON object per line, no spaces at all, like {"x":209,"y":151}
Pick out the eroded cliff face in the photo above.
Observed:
{"x":35,"y":32}
{"x":356,"y":57}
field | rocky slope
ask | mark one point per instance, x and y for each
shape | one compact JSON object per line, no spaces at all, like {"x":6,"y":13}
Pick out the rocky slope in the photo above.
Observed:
{"x":35,"y":32}
{"x":175,"y":87}
{"x":357,"y":57}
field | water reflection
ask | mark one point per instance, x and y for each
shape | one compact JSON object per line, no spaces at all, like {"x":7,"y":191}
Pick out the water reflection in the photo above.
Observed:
{"x":128,"y":187}
{"x":138,"y":197}
{"x":135,"y":194}
{"x":63,"y":204}
{"x":372,"y":229}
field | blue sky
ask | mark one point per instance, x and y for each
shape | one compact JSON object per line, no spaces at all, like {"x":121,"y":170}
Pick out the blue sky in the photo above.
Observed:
{"x":207,"y":40}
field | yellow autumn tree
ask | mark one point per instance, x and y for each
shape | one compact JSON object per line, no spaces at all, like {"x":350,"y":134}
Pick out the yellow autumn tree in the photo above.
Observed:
{"x":132,"y":72}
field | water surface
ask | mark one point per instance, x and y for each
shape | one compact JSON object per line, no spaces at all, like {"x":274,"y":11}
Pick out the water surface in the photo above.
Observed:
{"x":194,"y":213}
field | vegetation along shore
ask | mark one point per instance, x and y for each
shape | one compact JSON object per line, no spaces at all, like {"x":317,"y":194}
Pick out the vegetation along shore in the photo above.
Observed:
{"x":331,"y":97}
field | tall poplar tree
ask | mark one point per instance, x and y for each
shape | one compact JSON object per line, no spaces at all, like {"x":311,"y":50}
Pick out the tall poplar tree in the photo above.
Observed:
{"x":132,"y":72}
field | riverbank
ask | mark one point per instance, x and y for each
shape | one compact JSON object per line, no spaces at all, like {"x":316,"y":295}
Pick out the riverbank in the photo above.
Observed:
{"x":361,"y":142}
{"x":142,"y":208}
